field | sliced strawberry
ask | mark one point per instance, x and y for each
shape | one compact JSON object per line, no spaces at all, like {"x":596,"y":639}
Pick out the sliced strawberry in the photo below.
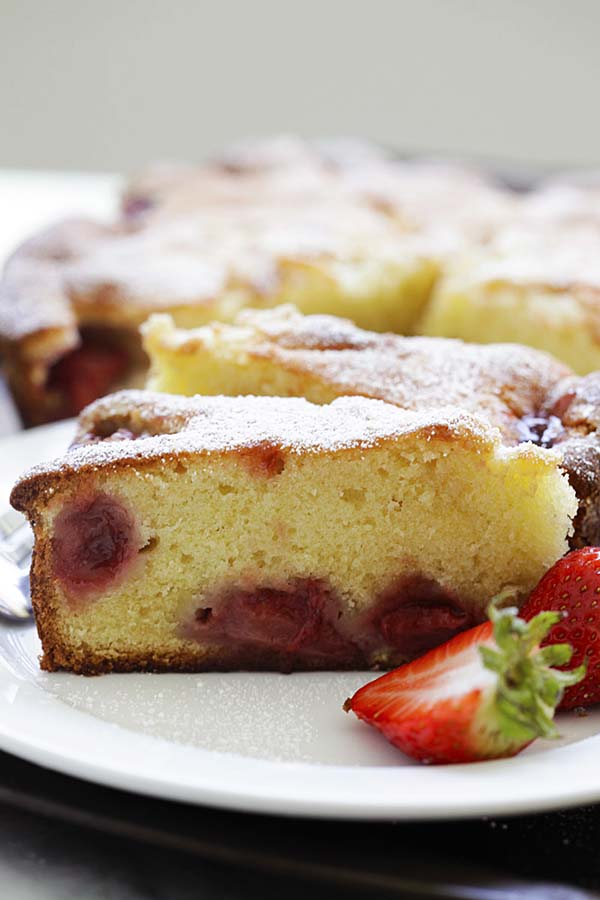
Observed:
{"x":572,"y":588}
{"x":485,"y":694}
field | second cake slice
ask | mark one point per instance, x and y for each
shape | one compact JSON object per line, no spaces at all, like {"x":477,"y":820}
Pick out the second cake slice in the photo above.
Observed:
{"x":528,"y":395}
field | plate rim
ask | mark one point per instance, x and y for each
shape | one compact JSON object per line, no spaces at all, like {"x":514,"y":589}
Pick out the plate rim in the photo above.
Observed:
{"x":230,"y":781}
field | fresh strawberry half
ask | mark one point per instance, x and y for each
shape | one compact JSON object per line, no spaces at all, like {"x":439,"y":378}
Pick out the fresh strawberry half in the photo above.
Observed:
{"x":487,"y":693}
{"x":572,"y":588}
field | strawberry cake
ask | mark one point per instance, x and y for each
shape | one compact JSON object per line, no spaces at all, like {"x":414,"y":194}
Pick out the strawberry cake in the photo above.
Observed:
{"x":270,"y":533}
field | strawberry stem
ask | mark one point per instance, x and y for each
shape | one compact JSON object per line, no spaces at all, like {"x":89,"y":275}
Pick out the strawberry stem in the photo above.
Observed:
{"x":529,"y":687}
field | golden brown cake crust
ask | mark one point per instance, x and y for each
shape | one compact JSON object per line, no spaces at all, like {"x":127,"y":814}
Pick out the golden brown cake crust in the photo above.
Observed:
{"x":56,"y":658}
{"x":576,"y":402}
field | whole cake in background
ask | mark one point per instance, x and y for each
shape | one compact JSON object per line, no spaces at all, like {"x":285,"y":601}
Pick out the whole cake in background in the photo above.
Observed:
{"x":334,"y":227}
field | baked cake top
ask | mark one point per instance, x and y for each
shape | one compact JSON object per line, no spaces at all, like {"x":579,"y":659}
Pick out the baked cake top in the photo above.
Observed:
{"x":146,"y":428}
{"x":552,"y":242}
{"x":564,"y":256}
{"x":284,"y":166}
{"x":559,"y":202}
{"x":283,"y":169}
{"x":418,"y":196}
{"x":501,"y":382}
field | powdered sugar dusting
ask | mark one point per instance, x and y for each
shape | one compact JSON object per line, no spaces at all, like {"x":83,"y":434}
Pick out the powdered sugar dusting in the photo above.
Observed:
{"x":501,"y":382}
{"x":559,"y":256}
{"x":233,"y":712}
{"x":191,"y":234}
{"x":204,"y":425}
{"x":232,"y":224}
{"x":32,"y":298}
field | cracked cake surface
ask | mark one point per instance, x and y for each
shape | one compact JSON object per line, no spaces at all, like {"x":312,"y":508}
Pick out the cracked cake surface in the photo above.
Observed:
{"x":157,"y":425}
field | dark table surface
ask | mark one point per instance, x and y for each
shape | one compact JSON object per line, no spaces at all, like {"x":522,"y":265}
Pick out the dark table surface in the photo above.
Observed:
{"x":62,"y":838}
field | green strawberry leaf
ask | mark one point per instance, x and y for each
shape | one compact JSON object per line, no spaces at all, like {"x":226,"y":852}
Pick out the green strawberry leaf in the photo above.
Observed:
{"x":529,"y":688}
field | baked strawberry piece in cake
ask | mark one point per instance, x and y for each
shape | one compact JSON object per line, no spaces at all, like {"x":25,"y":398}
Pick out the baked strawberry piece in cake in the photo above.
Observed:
{"x":273,"y":534}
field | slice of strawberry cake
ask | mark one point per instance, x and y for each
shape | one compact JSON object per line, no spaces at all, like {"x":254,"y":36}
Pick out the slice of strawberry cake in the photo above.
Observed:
{"x":270,"y":533}
{"x":528,"y":395}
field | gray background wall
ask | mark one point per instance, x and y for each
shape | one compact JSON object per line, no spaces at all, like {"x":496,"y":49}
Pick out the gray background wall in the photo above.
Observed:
{"x":107,"y":85}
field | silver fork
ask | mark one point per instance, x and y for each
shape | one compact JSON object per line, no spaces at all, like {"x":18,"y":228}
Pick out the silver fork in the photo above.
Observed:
{"x":16,"y":544}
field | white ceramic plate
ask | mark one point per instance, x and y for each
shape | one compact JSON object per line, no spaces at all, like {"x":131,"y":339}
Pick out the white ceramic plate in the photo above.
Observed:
{"x":261,"y":742}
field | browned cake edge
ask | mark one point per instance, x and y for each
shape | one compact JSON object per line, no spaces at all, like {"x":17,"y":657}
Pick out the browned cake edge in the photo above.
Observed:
{"x":575,"y":401}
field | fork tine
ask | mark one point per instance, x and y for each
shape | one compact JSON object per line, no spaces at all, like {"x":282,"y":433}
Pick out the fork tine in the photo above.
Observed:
{"x":16,"y":542}
{"x":15,"y":602}
{"x":17,"y":548}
